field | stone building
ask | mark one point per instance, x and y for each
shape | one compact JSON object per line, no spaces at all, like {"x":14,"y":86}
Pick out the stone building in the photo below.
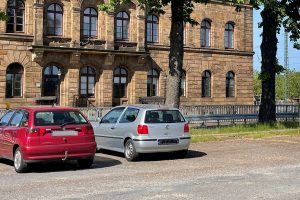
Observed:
{"x":68,"y":51}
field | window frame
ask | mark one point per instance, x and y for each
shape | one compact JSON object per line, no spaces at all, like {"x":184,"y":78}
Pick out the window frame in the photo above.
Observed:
{"x":152,"y":91}
{"x":90,"y":17}
{"x":150,"y":26}
{"x":88,"y":76}
{"x":51,"y":75}
{"x":119,"y":88}
{"x":17,"y":70}
{"x":229,"y":29}
{"x":15,"y":16}
{"x":55,"y":13}
{"x":206,"y":82}
{"x":124,"y":35}
{"x":206,"y":27}
{"x":230,"y":84}
{"x":122,"y":109}
{"x":183,"y":76}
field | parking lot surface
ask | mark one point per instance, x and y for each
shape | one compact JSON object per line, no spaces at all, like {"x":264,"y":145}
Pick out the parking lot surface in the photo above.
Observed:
{"x":238,"y":169}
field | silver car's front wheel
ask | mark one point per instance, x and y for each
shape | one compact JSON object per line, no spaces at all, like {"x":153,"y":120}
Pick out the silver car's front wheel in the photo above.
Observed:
{"x":130,"y":152}
{"x":19,"y":164}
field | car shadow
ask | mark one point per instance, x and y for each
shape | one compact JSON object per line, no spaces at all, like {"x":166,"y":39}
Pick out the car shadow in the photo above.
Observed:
{"x":69,"y":165}
{"x":158,"y":156}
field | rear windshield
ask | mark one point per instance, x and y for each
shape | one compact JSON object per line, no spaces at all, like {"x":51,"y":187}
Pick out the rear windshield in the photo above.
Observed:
{"x":59,"y":117}
{"x":163,"y":116}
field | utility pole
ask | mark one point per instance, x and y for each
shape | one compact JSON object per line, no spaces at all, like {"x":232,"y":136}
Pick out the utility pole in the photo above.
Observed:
{"x":286,"y":66}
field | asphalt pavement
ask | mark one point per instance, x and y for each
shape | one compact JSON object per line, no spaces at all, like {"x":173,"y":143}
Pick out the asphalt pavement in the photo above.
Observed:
{"x":238,"y":169}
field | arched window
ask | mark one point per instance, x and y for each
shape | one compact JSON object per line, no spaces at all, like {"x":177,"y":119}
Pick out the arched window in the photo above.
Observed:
{"x":87,"y":82}
{"x":205,"y":33}
{"x":152,"y":28}
{"x":90,"y":18}
{"x":122,"y":26}
{"x":51,"y":78}
{"x":183,"y":84}
{"x":14,"y":76}
{"x":230,"y":84}
{"x":15,"y":12}
{"x":54,"y":19}
{"x":229,"y":36}
{"x":152,"y":83}
{"x":120,"y":82}
{"x":206,"y":83}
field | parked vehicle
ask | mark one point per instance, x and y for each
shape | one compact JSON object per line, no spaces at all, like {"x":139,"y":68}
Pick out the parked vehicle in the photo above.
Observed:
{"x":143,"y":129}
{"x":31,"y":134}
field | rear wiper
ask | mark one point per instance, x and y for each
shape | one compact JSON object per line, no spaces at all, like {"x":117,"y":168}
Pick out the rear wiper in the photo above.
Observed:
{"x":67,"y":123}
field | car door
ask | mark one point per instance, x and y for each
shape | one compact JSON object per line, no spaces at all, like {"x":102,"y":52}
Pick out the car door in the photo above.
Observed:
{"x":3,"y":138}
{"x":105,"y":131}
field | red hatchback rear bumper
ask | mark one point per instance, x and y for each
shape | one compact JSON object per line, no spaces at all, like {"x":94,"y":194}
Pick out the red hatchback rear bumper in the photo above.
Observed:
{"x":59,"y":152}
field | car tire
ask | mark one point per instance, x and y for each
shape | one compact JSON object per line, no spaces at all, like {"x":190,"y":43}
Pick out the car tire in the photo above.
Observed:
{"x":85,"y":163}
{"x":180,"y":154}
{"x":130,"y":152}
{"x":19,"y":164}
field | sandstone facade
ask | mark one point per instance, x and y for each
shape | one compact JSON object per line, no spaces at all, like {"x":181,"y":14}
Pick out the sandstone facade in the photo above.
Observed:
{"x":34,"y":50}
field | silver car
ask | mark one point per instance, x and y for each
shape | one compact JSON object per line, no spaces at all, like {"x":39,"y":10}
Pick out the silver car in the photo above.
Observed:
{"x":135,"y":129}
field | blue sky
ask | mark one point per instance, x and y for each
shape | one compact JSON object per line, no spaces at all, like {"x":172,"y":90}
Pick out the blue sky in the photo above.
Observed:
{"x":294,"y":54}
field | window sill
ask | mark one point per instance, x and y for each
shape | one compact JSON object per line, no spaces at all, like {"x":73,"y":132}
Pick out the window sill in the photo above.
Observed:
{"x":16,"y":37}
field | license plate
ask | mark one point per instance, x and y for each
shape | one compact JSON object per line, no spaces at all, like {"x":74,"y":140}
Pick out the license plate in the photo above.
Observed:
{"x":64,"y":133}
{"x":168,"y":141}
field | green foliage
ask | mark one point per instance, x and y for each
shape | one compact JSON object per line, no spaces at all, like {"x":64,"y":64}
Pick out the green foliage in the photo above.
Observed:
{"x":3,"y":16}
{"x":256,"y":83}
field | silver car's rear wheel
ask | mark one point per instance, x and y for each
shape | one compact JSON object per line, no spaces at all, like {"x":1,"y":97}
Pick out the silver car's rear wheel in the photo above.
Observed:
{"x":130,"y":152}
{"x":19,"y":164}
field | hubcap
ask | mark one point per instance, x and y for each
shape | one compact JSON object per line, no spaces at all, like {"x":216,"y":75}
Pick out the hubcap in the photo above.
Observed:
{"x":129,"y":150}
{"x":18,"y":159}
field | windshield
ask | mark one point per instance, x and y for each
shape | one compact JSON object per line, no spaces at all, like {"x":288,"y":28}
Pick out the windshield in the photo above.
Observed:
{"x":58,"y":117}
{"x":163,"y":116}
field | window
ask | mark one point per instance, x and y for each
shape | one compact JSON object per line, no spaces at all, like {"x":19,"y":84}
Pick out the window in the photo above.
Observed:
{"x":130,"y":115}
{"x":206,"y":83}
{"x":17,"y":118}
{"x":163,"y":116}
{"x":58,"y":117}
{"x":205,"y":33}
{"x":120,"y":82}
{"x":87,"y":81}
{"x":54,"y":20}
{"x":185,"y":36}
{"x":152,"y":29}
{"x":122,"y":26}
{"x":14,"y":75}
{"x":230,"y":84}
{"x":51,"y":78}
{"x":90,"y":18}
{"x":183,"y":84}
{"x":113,"y":116}
{"x":229,"y":36}
{"x":15,"y":12}
{"x":5,"y":119}
{"x":152,"y":83}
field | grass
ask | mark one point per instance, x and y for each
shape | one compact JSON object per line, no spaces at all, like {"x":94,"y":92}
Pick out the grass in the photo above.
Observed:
{"x":253,"y":131}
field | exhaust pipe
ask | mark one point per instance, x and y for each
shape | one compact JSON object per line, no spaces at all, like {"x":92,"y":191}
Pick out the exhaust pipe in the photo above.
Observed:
{"x":66,"y":156}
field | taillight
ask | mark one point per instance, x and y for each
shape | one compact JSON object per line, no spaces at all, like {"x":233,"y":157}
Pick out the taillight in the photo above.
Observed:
{"x":142,"y":129}
{"x":32,"y":132}
{"x":89,"y":130}
{"x":186,"y":128}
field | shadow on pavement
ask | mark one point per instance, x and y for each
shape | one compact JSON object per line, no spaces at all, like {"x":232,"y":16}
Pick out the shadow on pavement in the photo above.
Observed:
{"x":6,"y":162}
{"x":158,"y":156}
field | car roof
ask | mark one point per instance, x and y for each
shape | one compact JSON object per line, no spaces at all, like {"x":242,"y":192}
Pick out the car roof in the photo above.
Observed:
{"x":43,"y":108}
{"x":149,"y":106}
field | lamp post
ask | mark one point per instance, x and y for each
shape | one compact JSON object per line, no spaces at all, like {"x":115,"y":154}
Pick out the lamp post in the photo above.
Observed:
{"x":58,"y":87}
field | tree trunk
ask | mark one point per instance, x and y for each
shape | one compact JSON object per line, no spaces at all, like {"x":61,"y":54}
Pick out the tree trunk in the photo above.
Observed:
{"x":267,"y":109}
{"x":176,"y":55}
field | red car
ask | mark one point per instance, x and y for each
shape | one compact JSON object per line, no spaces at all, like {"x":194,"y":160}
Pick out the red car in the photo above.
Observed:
{"x":31,"y":134}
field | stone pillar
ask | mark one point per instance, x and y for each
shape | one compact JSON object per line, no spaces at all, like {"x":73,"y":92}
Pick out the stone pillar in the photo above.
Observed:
{"x":38,"y":23}
{"x":110,"y":30}
{"x":141,"y":27}
{"x":75,"y":24}
{"x":106,"y":87}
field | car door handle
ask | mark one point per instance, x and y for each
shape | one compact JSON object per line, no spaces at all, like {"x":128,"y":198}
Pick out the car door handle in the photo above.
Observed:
{"x":112,"y":127}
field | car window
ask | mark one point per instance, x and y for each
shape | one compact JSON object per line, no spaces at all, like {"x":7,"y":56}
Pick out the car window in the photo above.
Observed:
{"x":163,"y":116}
{"x":58,"y":117}
{"x":16,"y":119}
{"x":130,"y":115}
{"x":112,"y":116}
{"x":5,"y":119}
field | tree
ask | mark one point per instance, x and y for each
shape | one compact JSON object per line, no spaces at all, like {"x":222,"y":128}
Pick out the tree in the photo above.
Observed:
{"x":3,"y":16}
